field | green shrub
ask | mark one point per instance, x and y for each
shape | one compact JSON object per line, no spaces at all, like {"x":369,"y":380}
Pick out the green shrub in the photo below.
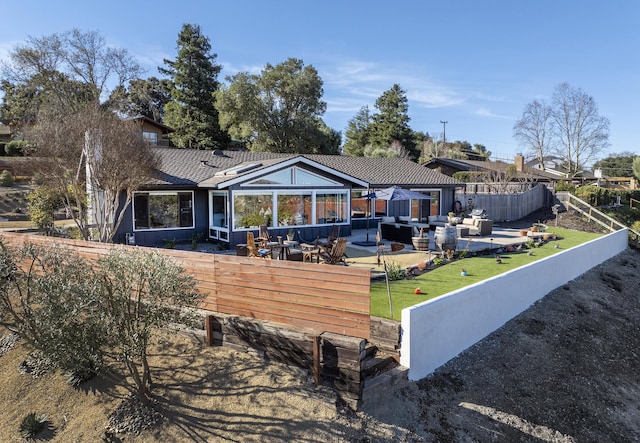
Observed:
{"x":394,"y":271}
{"x":6,"y":179}
{"x":16,"y":148}
{"x":32,"y":424}
{"x":43,"y":202}
{"x":562,"y":186}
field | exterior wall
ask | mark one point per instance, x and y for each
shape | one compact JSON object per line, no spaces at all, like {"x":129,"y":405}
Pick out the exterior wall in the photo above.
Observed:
{"x":158,"y":237}
{"x":436,"y":331}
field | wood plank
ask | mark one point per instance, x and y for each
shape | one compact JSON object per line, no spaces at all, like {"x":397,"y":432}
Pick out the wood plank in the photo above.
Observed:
{"x":319,"y":297}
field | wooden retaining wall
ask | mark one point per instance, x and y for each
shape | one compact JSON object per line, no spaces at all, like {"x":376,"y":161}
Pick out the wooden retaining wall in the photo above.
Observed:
{"x":309,"y":315}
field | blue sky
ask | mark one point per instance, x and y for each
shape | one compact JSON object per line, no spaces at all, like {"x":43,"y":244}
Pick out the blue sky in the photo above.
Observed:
{"x":474,"y":64}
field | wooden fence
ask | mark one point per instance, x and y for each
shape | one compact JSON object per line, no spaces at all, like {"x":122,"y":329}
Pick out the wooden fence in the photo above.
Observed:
{"x":320,"y":297}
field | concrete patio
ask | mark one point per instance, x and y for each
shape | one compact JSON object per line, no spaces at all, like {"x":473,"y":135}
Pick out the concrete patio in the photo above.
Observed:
{"x":366,"y":256}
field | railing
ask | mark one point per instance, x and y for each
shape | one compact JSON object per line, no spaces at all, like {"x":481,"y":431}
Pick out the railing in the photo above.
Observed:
{"x":584,"y":208}
{"x":632,"y":201}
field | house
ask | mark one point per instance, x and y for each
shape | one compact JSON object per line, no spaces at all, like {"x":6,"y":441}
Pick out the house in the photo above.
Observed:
{"x":7,"y":131}
{"x":154,"y":132}
{"x":220,"y":195}
{"x":521,"y":170}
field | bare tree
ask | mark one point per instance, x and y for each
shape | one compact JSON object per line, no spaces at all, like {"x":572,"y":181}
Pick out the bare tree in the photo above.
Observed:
{"x":96,"y":161}
{"x":534,"y":130}
{"x":70,"y":69}
{"x":582,"y":133}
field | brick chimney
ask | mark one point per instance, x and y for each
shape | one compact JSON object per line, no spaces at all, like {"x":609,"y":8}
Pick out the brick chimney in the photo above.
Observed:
{"x":519,"y":162}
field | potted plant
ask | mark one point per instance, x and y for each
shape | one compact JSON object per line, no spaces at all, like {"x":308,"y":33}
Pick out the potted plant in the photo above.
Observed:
{"x":290,"y":234}
{"x":420,"y":243}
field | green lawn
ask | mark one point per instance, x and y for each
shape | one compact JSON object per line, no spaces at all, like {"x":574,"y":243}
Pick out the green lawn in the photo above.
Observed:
{"x":446,"y":277}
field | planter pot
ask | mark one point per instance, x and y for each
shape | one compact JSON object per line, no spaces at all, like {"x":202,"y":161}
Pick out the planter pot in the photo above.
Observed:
{"x":420,"y":243}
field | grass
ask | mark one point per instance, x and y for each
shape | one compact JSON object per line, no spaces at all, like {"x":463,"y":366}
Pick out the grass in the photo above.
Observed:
{"x":446,"y":277}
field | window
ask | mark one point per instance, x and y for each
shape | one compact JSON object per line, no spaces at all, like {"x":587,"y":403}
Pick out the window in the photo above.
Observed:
{"x":293,"y":176}
{"x":330,"y":208}
{"x":294,"y":209}
{"x":151,"y":137}
{"x":289,"y":208}
{"x":252,"y":210}
{"x":360,"y":207}
{"x":163,"y":210}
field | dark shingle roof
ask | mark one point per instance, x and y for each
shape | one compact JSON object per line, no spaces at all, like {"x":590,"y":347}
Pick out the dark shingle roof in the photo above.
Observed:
{"x":188,"y":167}
{"x":480,"y":166}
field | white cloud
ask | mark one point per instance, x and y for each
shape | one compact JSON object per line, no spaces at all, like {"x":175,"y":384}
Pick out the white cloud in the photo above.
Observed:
{"x":483,"y":112}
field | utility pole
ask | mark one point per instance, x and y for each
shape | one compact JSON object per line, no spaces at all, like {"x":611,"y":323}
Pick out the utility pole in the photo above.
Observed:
{"x":444,"y":134}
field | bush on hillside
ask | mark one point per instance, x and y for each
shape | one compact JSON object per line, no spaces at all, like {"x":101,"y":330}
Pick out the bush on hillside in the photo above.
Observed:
{"x":6,"y":179}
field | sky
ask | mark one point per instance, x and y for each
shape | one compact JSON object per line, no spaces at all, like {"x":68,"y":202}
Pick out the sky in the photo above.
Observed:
{"x":472,"y":64}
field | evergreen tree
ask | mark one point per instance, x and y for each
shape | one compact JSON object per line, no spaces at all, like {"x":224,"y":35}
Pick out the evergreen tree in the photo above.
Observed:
{"x":193,"y":82}
{"x":391,"y":123}
{"x":357,"y":135}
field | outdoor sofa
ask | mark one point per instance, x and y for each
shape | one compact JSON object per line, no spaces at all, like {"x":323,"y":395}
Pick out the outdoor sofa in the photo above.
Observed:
{"x":400,"y":229}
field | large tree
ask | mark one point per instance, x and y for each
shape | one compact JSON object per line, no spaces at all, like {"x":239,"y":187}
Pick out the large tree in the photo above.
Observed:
{"x":65,"y":71}
{"x":616,"y":165}
{"x":92,"y":158}
{"x":193,"y":81}
{"x":582,"y":133}
{"x":146,"y":97}
{"x":357,"y":135}
{"x":390,"y":125}
{"x":278,"y":110}
{"x":534,"y":130}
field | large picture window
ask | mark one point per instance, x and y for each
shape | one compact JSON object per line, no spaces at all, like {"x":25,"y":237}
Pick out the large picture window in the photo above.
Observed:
{"x":289,"y":208}
{"x":331,"y":208}
{"x":252,"y":210}
{"x":163,"y":210}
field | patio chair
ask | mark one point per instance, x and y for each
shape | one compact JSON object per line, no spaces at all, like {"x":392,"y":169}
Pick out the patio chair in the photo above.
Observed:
{"x":264,"y":238}
{"x":332,"y":237}
{"x":337,"y":254}
{"x":253,"y":250}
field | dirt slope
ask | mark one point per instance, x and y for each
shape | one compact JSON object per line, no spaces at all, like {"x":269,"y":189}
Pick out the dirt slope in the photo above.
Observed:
{"x":565,"y":370}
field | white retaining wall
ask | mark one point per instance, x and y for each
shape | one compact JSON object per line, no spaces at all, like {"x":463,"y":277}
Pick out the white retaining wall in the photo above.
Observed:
{"x":437,"y":330}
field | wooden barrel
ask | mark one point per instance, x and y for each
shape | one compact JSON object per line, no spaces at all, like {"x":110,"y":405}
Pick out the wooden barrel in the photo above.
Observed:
{"x":446,"y":237}
{"x":420,"y":243}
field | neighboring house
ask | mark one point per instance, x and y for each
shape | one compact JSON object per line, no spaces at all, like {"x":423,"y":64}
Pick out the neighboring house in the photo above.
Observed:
{"x":556,"y":166}
{"x":154,"y":132}
{"x":6,"y":133}
{"x":220,"y":195}
{"x":523,"y":172}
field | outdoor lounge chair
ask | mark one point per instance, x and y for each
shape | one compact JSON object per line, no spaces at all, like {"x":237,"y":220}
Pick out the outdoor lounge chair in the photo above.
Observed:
{"x":337,"y":254}
{"x":264,"y":238}
{"x":253,"y":250}
{"x":333,"y":235}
